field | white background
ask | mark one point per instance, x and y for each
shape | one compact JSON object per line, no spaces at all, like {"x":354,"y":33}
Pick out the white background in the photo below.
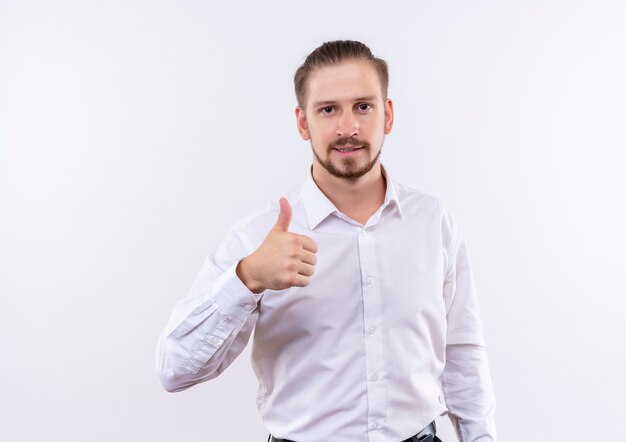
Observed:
{"x":133,"y":133}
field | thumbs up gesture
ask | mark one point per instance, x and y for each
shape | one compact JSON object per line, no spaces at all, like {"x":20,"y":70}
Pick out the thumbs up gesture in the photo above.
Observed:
{"x":283,"y":260}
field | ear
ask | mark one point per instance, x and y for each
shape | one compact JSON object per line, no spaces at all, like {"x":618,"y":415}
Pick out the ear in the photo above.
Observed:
{"x":388,"y":115}
{"x":303,"y":126}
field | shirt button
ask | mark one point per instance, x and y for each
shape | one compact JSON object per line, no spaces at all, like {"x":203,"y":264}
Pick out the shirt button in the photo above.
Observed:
{"x":363,"y":232}
{"x":247,"y":306}
{"x":374,"y":377}
{"x":215,"y":341}
{"x":369,"y":280}
{"x":371,"y":330}
{"x":373,"y":425}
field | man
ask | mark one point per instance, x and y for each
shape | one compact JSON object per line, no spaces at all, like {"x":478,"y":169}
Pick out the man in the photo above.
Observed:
{"x":359,"y":289}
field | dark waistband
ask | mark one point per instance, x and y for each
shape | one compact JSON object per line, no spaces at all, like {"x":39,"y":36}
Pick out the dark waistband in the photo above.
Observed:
{"x":429,"y":430}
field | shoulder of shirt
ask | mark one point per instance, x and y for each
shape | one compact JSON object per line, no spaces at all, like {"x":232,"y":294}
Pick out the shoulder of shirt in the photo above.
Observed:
{"x":261,"y":220}
{"x":409,"y":195}
{"x":413,"y":200}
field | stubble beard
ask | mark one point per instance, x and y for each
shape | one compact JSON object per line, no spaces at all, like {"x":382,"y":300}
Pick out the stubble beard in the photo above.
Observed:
{"x":350,"y":169}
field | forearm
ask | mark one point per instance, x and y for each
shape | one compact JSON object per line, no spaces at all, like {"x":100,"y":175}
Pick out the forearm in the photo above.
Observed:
{"x":468,"y":393}
{"x":206,"y":332}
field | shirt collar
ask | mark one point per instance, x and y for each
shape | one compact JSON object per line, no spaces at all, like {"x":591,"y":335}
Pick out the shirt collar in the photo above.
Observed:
{"x":317,"y":206}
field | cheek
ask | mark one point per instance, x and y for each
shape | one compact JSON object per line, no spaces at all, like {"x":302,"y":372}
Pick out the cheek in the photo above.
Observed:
{"x":320,"y":136}
{"x":317,"y":143}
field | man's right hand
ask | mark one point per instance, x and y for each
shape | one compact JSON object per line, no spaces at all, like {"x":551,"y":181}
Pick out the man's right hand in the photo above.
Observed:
{"x":283,"y":260}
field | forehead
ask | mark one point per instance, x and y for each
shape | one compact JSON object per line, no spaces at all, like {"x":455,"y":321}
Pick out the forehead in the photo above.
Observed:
{"x":343,"y":82}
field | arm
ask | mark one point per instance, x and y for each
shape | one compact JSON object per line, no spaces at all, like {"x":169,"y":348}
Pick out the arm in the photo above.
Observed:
{"x":210,"y":327}
{"x":466,"y":381}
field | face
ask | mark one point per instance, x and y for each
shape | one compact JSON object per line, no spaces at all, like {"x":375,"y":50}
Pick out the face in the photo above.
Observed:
{"x":346,"y":119}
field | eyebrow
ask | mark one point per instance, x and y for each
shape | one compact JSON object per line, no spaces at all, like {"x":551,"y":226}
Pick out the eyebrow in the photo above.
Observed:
{"x":356,"y":100}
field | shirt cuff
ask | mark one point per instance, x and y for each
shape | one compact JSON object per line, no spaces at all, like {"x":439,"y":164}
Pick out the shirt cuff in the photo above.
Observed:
{"x":232,"y":295}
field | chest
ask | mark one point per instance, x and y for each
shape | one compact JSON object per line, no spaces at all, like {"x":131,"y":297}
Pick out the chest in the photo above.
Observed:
{"x":393,"y":275}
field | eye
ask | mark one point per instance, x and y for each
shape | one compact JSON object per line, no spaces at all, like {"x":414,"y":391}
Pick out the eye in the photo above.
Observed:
{"x":364,"y":107}
{"x":327,"y":110}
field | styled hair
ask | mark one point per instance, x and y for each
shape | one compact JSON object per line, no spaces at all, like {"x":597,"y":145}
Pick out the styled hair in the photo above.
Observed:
{"x":332,"y":53}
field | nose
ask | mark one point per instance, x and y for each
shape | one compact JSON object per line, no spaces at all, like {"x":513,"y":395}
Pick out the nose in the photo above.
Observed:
{"x":347,"y":124}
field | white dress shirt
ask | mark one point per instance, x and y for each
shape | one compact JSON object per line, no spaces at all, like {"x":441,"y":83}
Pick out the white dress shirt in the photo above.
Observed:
{"x":386,"y":336}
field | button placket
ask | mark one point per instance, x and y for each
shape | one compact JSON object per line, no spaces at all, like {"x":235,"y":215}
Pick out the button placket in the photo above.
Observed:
{"x":247,"y":306}
{"x":373,"y":339}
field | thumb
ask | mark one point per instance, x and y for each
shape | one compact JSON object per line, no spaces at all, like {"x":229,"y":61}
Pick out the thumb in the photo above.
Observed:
{"x":284,"y":217}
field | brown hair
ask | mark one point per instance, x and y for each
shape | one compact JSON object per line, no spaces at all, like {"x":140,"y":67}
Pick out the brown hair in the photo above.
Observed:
{"x":332,"y":53}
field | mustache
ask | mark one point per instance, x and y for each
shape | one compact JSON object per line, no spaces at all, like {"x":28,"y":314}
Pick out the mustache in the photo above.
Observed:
{"x":348,"y":140}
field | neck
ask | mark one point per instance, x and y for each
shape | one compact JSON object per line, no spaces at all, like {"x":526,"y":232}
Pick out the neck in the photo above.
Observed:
{"x":358,"y":198}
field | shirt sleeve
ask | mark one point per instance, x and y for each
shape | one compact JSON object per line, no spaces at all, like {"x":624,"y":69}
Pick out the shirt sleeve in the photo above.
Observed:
{"x":466,"y":381}
{"x":209,"y":328}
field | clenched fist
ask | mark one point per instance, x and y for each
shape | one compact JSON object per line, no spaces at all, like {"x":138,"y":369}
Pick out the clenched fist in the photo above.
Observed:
{"x":283,"y":260}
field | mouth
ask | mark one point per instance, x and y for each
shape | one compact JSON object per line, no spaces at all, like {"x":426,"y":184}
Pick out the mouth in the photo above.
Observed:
{"x":347,"y":149}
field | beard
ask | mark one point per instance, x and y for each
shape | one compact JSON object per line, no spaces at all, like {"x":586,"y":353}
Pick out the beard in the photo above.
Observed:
{"x":350,"y":169}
